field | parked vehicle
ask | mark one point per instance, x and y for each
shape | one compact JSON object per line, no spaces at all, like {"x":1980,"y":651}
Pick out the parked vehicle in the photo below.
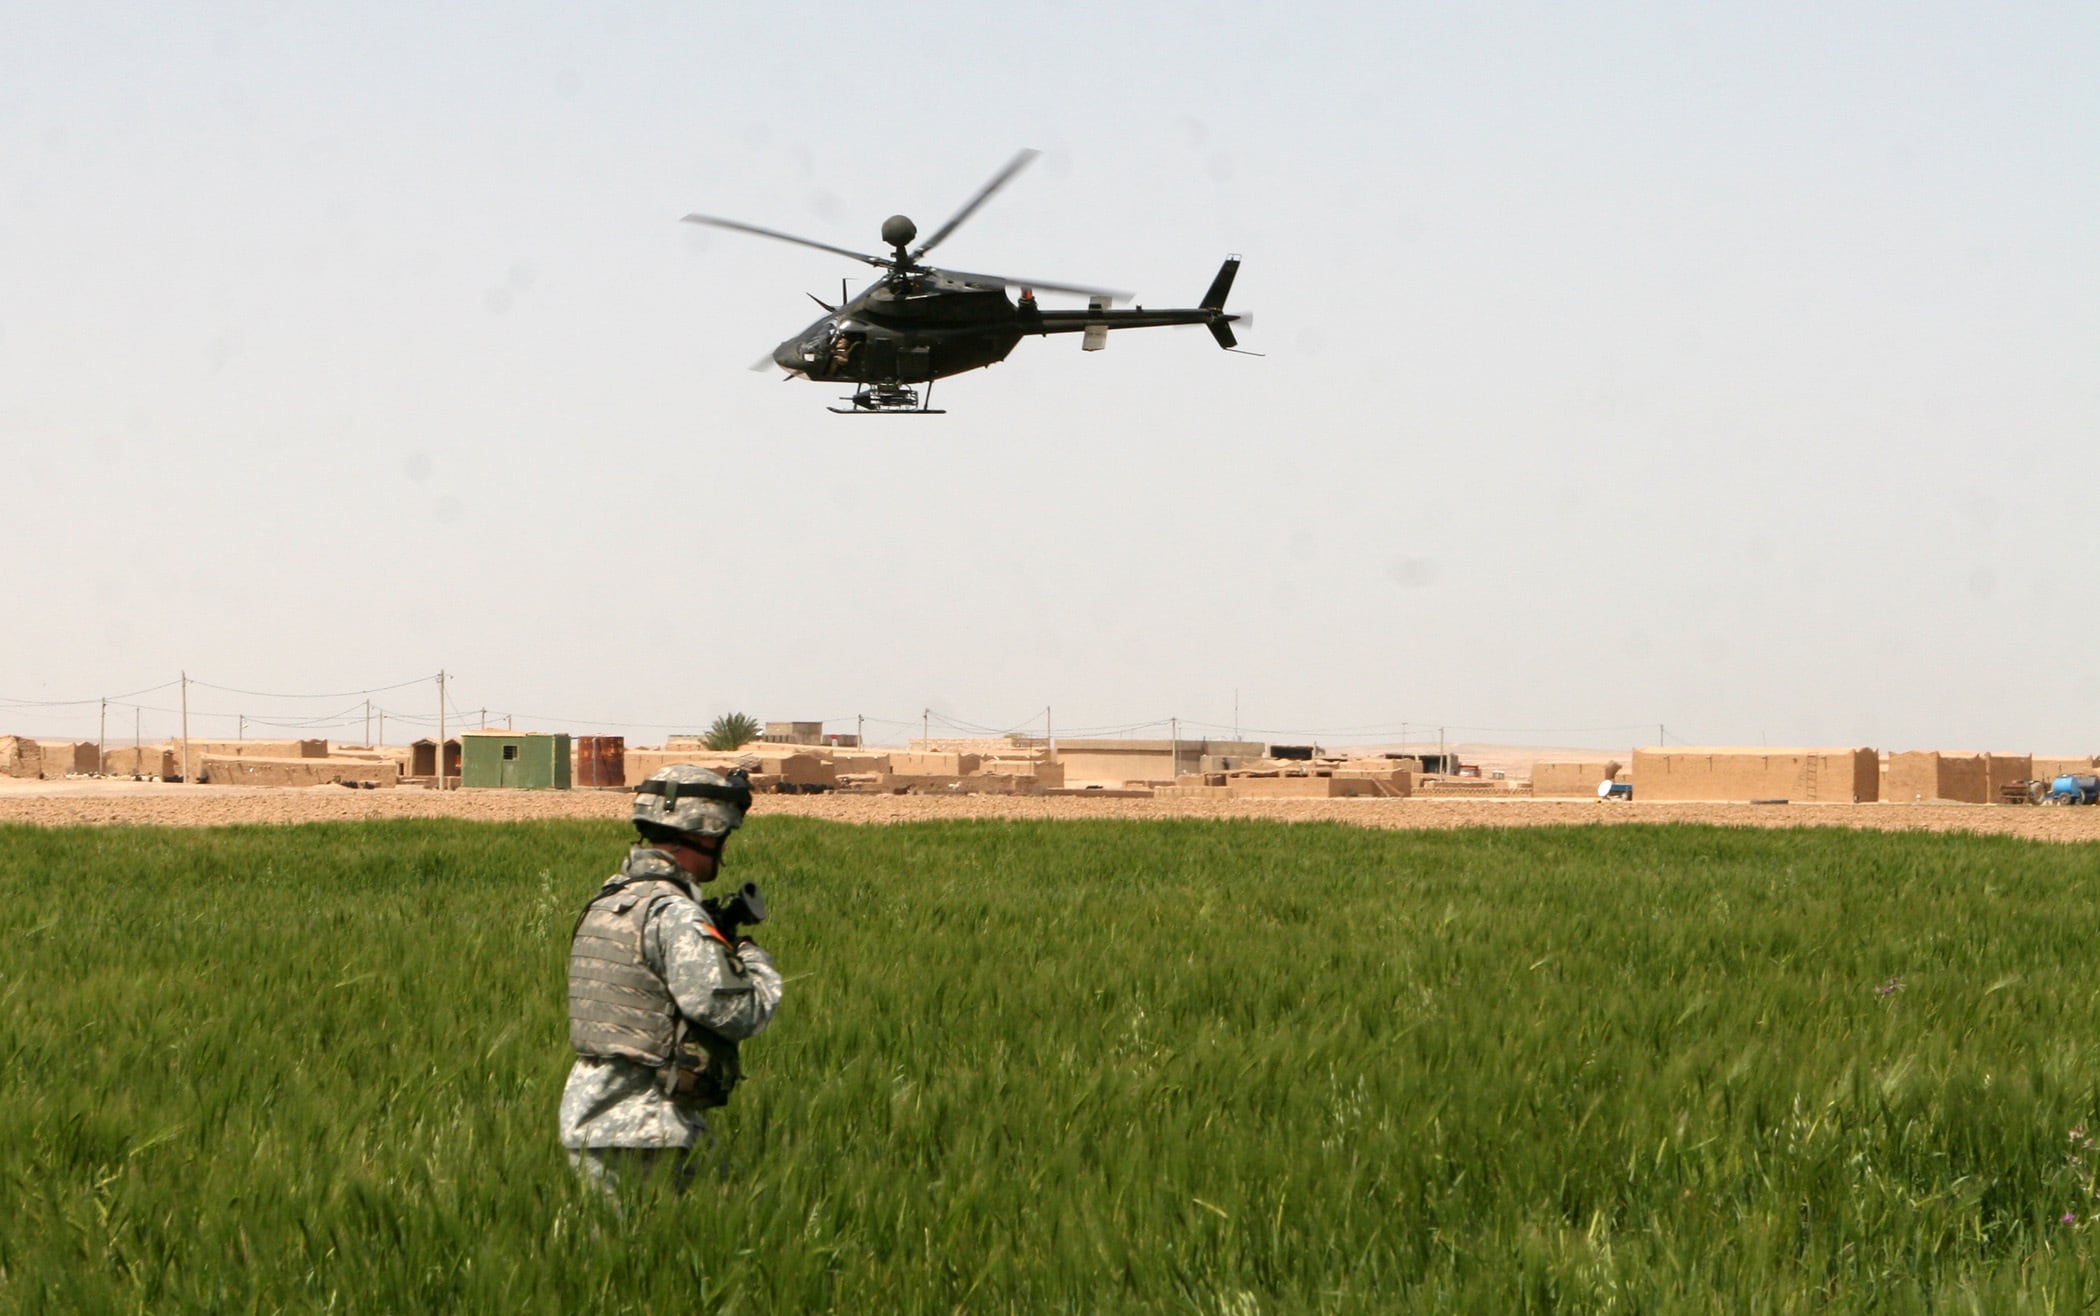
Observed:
{"x":2074,"y":788}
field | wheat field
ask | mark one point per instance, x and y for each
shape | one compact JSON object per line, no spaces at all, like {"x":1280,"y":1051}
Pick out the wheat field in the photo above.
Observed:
{"x":1194,"y":1066}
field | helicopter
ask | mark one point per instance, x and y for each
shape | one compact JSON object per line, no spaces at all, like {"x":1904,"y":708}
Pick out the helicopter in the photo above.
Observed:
{"x":918,"y":323}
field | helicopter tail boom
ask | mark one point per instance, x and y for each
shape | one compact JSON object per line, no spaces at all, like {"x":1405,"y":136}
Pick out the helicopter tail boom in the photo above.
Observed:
{"x":1098,"y":320}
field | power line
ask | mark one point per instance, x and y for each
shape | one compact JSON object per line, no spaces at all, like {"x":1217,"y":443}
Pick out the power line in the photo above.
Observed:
{"x":74,"y":703}
{"x":42,"y":709}
{"x":319,"y":694}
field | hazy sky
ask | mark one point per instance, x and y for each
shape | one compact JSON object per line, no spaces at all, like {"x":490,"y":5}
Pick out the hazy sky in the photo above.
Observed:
{"x":1731,"y":367}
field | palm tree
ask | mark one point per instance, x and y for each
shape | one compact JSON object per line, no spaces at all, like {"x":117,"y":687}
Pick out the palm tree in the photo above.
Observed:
{"x":731,"y":730}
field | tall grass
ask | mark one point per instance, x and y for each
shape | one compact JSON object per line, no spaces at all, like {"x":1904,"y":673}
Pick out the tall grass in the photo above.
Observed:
{"x":1201,"y":1066}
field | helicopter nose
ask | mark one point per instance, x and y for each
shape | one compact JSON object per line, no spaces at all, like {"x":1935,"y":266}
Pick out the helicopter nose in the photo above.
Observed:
{"x":788,"y":356}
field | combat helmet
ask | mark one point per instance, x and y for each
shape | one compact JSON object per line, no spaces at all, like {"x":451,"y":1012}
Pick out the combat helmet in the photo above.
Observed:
{"x":692,"y":800}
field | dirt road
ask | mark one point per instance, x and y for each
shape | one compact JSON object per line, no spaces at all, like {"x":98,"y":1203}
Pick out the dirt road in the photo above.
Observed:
{"x":76,"y":802}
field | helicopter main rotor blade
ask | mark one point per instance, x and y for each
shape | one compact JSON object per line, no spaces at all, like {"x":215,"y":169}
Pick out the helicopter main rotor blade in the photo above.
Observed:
{"x":739,"y":226}
{"x":984,"y":194}
{"x":1042,"y":285}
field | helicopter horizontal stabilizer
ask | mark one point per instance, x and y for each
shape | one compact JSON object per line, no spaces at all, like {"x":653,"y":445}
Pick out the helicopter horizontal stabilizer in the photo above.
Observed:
{"x":1222,"y":331}
{"x":1097,"y":330}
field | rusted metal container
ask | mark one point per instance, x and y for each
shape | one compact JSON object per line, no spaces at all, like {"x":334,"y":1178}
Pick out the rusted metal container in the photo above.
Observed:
{"x":601,"y":761}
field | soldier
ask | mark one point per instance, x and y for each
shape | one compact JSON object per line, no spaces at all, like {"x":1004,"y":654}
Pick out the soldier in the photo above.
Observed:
{"x":658,"y":996}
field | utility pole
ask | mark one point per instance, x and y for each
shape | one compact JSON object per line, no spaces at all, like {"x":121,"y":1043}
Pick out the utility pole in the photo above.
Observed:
{"x":484,"y":718}
{"x":1660,"y":738}
{"x":382,"y":729}
{"x":1174,"y":761}
{"x":240,"y":726}
{"x":925,"y":725}
{"x":1235,"y":712}
{"x":185,"y":727}
{"x":101,"y":741}
{"x":441,"y":729}
{"x":1049,"y":731}
{"x":1444,"y":763}
{"x":860,"y":730}
{"x":506,"y":722}
{"x":368,"y":724}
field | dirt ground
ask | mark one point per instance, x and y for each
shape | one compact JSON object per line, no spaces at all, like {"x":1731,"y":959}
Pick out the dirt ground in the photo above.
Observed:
{"x":77,"y":802}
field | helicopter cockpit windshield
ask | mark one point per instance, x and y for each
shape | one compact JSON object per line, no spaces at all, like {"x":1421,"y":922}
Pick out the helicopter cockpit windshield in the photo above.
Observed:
{"x":827,"y":349}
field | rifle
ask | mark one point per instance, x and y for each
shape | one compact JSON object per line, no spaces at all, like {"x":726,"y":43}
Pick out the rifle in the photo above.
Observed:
{"x":748,"y":905}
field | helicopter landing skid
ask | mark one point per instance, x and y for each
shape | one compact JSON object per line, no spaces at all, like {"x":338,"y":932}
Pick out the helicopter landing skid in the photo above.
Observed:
{"x":888,"y":400}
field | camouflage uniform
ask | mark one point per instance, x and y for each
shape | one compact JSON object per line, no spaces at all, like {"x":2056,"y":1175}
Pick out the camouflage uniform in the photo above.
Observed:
{"x":616,"y":1120}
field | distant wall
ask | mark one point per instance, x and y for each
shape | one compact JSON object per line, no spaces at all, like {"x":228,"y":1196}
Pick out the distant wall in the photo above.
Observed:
{"x":253,"y":770}
{"x":1113,"y":762}
{"x":1738,"y":774}
{"x":1571,"y":777}
{"x":1003,"y":747}
{"x":1925,"y":775}
{"x":860,"y":760}
{"x":912,"y":763}
{"x":154,"y":761}
{"x":201,"y":750}
{"x":64,"y":756}
{"x":1301,"y":788}
{"x":21,"y":757}
{"x":794,"y":769}
{"x":2001,"y":771}
{"x":1103,"y":764}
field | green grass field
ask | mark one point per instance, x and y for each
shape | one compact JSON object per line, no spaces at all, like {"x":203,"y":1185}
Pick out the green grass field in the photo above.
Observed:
{"x":1201,"y":1066}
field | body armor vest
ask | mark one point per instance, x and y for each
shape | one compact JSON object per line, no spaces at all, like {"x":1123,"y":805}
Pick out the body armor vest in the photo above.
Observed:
{"x":620,"y":1009}
{"x":618,"y":1006}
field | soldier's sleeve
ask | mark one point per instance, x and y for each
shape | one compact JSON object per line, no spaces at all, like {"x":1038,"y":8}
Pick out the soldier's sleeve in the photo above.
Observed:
{"x":716,"y":987}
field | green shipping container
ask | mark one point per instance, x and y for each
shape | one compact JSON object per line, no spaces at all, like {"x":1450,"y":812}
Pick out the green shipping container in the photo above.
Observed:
{"x":516,"y":760}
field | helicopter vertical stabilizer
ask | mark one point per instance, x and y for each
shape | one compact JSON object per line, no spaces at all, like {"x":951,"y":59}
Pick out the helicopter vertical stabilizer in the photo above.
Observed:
{"x":1214,"y":302}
